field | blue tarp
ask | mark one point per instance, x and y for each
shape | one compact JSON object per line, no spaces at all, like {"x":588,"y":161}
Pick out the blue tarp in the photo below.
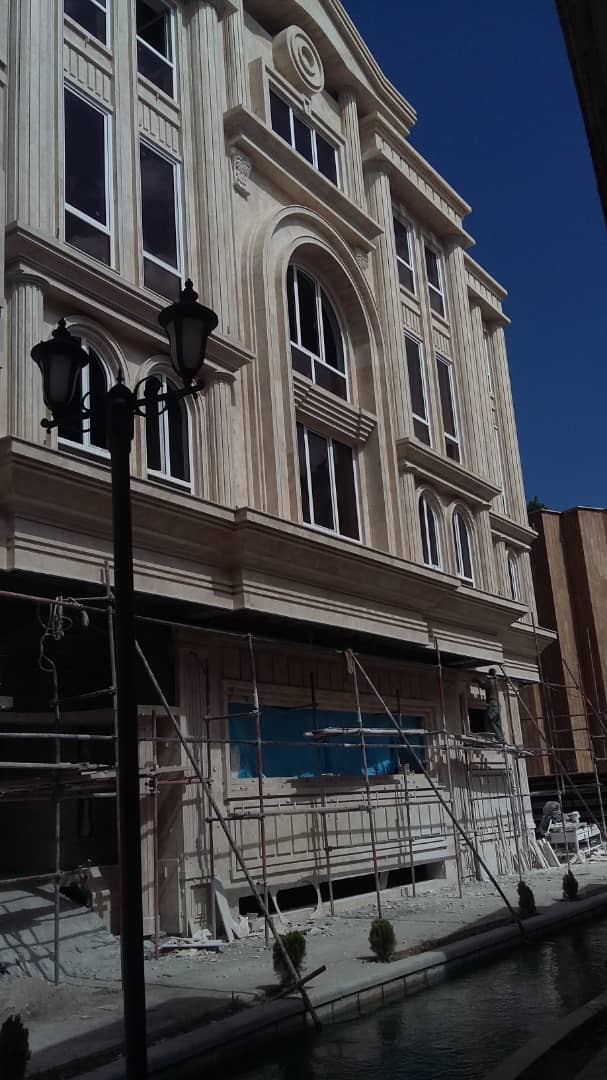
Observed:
{"x":312,"y":759}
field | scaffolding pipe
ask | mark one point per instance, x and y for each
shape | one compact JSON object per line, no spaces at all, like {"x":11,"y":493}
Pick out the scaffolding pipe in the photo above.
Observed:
{"x":407,"y":805}
{"x":262,"y":819}
{"x":323,"y":802}
{"x":232,"y":843}
{"x":456,"y":847}
{"x":363,"y":749}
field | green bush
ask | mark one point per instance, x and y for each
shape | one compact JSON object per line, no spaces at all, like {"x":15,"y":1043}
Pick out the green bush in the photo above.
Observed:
{"x":382,"y":939}
{"x":570,"y":886}
{"x":526,"y":901}
{"x":295,"y":945}
{"x":14,"y":1049}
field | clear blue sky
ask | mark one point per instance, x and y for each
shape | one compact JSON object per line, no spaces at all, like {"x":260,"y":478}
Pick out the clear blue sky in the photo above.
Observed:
{"x":498,"y":116}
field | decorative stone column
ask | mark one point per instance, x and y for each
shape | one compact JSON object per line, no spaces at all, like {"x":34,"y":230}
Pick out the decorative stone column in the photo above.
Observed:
{"x":237,"y":75}
{"x":23,"y":381}
{"x":353,"y":153}
{"x":511,"y":461}
{"x":484,"y":421}
{"x":218,"y":396}
{"x":215,"y":214}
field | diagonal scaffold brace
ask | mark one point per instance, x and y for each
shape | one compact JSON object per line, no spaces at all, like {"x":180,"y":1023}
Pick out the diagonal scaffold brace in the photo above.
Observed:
{"x":298,"y":982}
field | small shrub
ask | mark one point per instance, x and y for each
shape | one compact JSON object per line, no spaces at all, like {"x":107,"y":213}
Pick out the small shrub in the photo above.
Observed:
{"x":14,"y":1049}
{"x":382,"y":939}
{"x":295,"y":945}
{"x":570,"y":886}
{"x":526,"y":901}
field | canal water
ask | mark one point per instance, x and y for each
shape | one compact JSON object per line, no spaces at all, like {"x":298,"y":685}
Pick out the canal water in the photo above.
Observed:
{"x":461,"y":1028}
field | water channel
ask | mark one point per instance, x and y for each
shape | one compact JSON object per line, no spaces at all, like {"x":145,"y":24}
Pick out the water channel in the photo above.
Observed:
{"x":460,"y":1029}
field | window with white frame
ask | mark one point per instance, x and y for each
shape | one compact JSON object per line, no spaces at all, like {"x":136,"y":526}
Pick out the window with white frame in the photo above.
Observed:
{"x":416,"y":369}
{"x":91,"y":15}
{"x":513,"y":577}
{"x":89,"y":432}
{"x":328,"y":483}
{"x":435,"y":279}
{"x":303,"y":137}
{"x":167,"y":433}
{"x":446,"y":389}
{"x":160,"y":221}
{"x":462,"y":539}
{"x":317,"y":344}
{"x":155,"y":49}
{"x":404,"y":254}
{"x":87,"y":177}
{"x":487,"y":355}
{"x":499,"y":467}
{"x":430,"y":533}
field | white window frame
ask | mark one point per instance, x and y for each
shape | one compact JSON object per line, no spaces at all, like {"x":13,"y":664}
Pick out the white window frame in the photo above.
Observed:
{"x":514,"y":579}
{"x":108,"y":229}
{"x":162,"y":419}
{"x":170,"y":63}
{"x":295,"y":112}
{"x":428,"y":506}
{"x":453,"y":439}
{"x":460,"y":515}
{"x":442,"y":292}
{"x":500,"y":467}
{"x":396,"y":216}
{"x":86,"y":446}
{"x":320,"y":359}
{"x":103,"y":6}
{"x":176,"y":271}
{"x":425,"y":420}
{"x":487,"y":352}
{"x":333,"y":487}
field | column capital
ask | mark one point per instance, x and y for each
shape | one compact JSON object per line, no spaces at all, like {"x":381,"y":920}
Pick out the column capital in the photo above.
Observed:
{"x":222,"y":7}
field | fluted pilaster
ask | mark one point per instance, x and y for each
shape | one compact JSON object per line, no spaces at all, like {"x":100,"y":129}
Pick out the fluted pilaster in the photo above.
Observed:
{"x":353,"y":153}
{"x":237,"y":76}
{"x":511,"y":460}
{"x":218,"y":396}
{"x":23,"y":380}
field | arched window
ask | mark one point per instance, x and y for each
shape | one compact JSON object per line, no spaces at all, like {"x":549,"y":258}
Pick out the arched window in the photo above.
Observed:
{"x":430,"y":530}
{"x":463,"y":546}
{"x":167,"y":433}
{"x":91,"y":432}
{"x":513,"y":578}
{"x":317,"y":345}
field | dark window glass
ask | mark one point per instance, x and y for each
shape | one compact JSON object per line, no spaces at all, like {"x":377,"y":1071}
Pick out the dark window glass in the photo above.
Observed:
{"x":330,"y":380}
{"x":280,"y":115}
{"x":179,"y":457}
{"x":301,"y":362}
{"x":88,"y":15}
{"x":416,"y":383}
{"x":308,"y":321}
{"x":85,"y":158}
{"x":291,"y":303}
{"x":71,"y":426}
{"x":421,"y":431}
{"x":432,"y":269}
{"x":154,"y":26}
{"x":303,"y":139}
{"x":153,"y":388}
{"x":429,"y":531}
{"x":154,"y":68}
{"x":321,"y":483}
{"x":332,"y":340}
{"x":161,"y":281}
{"x":463,"y":552}
{"x":424,"y":532}
{"x":452,"y":451}
{"x":86,"y":237}
{"x":513,"y":578}
{"x":158,"y":206}
{"x":327,"y":158}
{"x":436,"y":302}
{"x":433,"y":537}
{"x":303,"y":474}
{"x":405,"y":276}
{"x":401,"y":238}
{"x":446,"y":398}
{"x":96,"y":402}
{"x":345,"y":490}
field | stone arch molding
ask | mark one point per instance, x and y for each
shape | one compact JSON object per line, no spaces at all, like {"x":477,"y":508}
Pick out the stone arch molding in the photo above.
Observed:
{"x":104,"y":344}
{"x":296,"y":57}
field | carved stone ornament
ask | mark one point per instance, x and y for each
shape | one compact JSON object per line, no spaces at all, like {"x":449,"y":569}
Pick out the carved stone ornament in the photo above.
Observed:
{"x":362,"y":259}
{"x":241,"y":171}
{"x":297,"y":58}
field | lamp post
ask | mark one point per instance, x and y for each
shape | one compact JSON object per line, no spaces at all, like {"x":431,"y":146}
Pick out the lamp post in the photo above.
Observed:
{"x":188,"y":325}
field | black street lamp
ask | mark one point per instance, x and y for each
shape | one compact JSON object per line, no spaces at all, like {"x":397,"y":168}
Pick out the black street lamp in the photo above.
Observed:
{"x":188,"y":325}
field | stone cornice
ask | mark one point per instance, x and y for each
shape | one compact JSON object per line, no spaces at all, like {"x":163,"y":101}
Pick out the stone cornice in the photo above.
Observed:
{"x":288,"y":170}
{"x":512,"y":531}
{"x":444,"y":474}
{"x":70,"y":278}
{"x":330,"y":415}
{"x":485,"y":291}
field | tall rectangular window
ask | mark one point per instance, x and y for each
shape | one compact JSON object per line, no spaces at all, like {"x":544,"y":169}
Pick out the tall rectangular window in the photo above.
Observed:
{"x":434,"y":277}
{"x":448,"y":408}
{"x":499,"y":467}
{"x":91,"y":15}
{"x":155,"y":44}
{"x":160,"y":222}
{"x":416,"y":369}
{"x":328,"y":485}
{"x":303,"y":137}
{"x":487,"y":356}
{"x":87,"y":177}
{"x":404,"y":257}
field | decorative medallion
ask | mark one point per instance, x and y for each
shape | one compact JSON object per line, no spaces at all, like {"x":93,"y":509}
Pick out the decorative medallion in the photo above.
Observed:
{"x":297,"y":58}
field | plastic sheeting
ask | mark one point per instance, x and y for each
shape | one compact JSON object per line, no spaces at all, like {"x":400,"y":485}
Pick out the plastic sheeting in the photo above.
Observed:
{"x":385,"y":754}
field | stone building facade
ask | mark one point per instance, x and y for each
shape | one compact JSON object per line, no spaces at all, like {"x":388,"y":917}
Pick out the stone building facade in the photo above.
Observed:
{"x":348,"y":478}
